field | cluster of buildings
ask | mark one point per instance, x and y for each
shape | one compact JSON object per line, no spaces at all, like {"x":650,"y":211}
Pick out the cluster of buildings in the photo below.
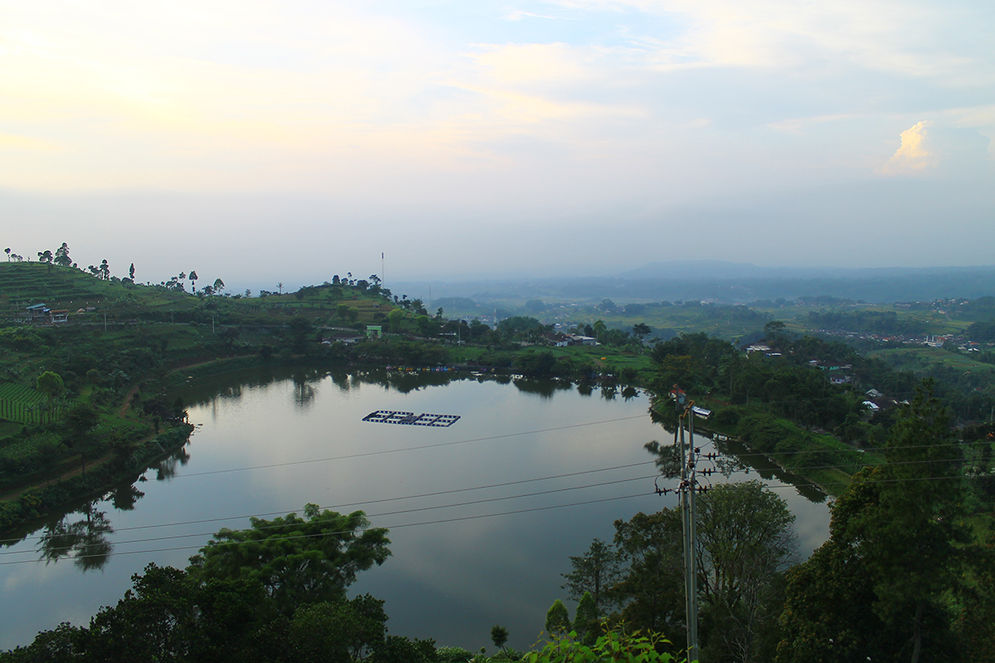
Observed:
{"x":42,"y":314}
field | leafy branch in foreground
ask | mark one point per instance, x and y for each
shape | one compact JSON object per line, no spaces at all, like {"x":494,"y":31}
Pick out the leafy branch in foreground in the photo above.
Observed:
{"x":612,"y":645}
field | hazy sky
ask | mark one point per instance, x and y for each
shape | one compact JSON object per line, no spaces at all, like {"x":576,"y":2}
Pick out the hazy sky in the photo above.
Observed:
{"x":264,"y":141}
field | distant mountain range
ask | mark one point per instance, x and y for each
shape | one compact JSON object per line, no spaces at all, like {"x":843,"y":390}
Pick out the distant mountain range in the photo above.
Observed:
{"x":726,"y":282}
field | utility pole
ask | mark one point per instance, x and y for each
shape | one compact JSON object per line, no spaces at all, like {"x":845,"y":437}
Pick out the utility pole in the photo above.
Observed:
{"x":688,"y":460}
{"x":688,"y":517}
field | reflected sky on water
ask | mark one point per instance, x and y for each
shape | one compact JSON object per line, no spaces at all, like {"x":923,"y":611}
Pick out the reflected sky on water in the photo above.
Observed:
{"x":467,"y":553}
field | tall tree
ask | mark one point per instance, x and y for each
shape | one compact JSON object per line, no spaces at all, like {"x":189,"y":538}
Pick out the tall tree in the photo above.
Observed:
{"x":62,"y":256}
{"x":897,"y":528}
{"x":594,"y":572}
{"x":745,"y":538}
{"x":131,"y":272}
{"x":650,"y":590}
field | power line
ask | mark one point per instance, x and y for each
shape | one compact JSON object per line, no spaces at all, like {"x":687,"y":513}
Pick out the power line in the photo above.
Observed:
{"x":388,"y":513}
{"x":878,"y":450}
{"x":392,"y":527}
{"x":378,"y":500}
{"x":466,"y":518}
{"x":484,"y":487}
{"x":448,"y":506}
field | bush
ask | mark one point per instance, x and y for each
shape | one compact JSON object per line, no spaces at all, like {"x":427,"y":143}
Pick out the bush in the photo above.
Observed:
{"x":453,"y":655}
{"x":612,"y":646}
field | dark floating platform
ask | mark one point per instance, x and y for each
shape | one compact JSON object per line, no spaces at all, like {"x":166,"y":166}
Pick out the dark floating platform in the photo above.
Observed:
{"x":411,"y":419}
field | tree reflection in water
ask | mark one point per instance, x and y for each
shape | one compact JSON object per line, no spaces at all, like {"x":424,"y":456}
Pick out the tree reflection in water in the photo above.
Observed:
{"x":124,"y":497}
{"x":167,"y":468}
{"x":80,"y":536}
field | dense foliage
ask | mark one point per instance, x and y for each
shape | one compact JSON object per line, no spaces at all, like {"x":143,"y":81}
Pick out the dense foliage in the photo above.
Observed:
{"x":746,"y":539}
{"x":274,"y":592}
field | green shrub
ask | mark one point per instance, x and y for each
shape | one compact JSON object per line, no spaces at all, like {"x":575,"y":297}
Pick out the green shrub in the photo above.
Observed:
{"x":612,"y":646}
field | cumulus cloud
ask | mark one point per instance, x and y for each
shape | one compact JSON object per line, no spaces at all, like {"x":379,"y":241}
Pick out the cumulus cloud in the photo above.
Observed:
{"x":928,"y":147}
{"x":912,"y":155}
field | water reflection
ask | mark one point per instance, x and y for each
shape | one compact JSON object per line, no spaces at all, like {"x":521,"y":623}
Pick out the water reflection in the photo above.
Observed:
{"x":304,"y":392}
{"x":542,"y":388}
{"x":124,"y":497}
{"x":83,"y":538}
{"x":232,"y":387}
{"x":167,"y":468}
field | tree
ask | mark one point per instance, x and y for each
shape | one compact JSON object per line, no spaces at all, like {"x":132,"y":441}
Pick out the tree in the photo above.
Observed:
{"x":343,"y":631}
{"x":599,"y":329}
{"x":131,"y":272}
{"x":7,"y":251}
{"x":105,"y":270}
{"x":641,"y":330}
{"x":827,"y":615}
{"x":300,"y":327}
{"x":557,"y":619}
{"x":896,"y":529}
{"x":219,"y":285}
{"x":774,"y":330}
{"x":499,"y":636}
{"x":193,"y":280}
{"x":62,"y":256}
{"x":46,"y":257}
{"x":296,"y":560}
{"x":586,"y":619}
{"x":593,"y":573}
{"x":51,"y":384}
{"x":745,"y":538}
{"x":650,"y":590}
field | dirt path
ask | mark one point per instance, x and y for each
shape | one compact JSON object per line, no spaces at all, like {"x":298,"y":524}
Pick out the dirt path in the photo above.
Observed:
{"x":126,"y":403}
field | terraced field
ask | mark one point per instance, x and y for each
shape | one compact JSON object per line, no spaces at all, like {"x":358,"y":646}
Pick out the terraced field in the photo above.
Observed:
{"x":24,"y":405}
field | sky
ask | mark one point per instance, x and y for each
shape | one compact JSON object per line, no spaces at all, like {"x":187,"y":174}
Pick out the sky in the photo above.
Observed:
{"x":265,"y":142}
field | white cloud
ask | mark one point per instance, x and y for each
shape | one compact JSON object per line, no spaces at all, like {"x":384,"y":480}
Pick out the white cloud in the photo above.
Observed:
{"x":519,"y":15}
{"x":912,"y":155}
{"x":943,"y":151}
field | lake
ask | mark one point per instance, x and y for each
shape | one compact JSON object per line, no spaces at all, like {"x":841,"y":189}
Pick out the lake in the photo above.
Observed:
{"x":483,"y":514}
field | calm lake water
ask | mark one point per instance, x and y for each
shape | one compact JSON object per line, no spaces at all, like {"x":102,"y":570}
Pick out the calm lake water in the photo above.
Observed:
{"x":483,"y":515}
